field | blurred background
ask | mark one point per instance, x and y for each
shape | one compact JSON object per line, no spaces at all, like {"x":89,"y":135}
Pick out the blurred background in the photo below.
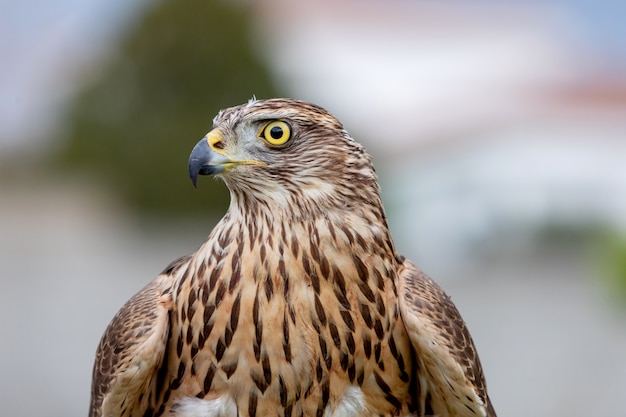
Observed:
{"x":498,"y":130}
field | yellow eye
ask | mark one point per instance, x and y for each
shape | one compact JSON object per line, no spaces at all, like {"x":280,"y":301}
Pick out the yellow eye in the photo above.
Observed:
{"x":276,"y":133}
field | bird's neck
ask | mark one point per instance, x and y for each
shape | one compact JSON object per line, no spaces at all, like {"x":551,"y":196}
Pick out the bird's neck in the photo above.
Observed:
{"x":279,"y":226}
{"x":305,"y":199}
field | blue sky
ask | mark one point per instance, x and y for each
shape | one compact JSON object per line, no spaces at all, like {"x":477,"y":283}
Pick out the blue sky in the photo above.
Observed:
{"x":45,"y":45}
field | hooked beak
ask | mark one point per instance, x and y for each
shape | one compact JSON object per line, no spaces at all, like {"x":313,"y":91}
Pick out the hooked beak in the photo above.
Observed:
{"x":208,"y":157}
{"x":205,"y":160}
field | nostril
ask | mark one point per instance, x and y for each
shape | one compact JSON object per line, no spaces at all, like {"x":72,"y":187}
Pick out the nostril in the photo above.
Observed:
{"x":218,"y":145}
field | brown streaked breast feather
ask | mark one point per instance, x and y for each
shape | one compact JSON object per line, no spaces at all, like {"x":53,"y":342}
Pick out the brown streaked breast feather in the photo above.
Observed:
{"x":448,"y":363}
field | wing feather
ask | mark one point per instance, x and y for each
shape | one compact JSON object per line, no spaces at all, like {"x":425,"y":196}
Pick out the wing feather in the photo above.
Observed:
{"x":450,"y":373}
{"x":131,"y":351}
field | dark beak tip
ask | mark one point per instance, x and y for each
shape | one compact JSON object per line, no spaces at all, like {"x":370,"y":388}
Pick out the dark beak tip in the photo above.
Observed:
{"x":198,"y":158}
{"x":193,"y":173}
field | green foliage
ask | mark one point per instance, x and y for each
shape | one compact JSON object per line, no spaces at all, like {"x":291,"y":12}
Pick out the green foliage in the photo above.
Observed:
{"x":615,"y":252}
{"x":134,"y":127}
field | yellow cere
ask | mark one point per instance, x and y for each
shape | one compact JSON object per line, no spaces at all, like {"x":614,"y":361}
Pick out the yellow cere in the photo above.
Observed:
{"x":275,"y":133}
{"x":214,"y":137}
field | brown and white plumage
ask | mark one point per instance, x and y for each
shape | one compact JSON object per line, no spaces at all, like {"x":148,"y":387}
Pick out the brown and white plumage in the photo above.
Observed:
{"x":297,"y":304}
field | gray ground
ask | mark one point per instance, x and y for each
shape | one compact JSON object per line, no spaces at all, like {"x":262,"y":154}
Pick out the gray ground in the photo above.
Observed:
{"x":550,"y":342}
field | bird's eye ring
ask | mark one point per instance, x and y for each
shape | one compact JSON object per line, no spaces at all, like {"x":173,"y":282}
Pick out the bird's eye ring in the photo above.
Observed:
{"x":275,"y":133}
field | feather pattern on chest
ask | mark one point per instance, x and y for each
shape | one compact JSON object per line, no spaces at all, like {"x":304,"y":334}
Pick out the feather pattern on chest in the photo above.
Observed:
{"x":285,"y":314}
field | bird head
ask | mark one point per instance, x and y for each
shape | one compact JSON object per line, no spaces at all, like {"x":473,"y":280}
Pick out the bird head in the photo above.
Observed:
{"x":284,"y":150}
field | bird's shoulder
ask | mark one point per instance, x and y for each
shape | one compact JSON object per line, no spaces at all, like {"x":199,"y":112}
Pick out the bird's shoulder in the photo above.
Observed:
{"x":443,"y":345}
{"x":132,"y":348}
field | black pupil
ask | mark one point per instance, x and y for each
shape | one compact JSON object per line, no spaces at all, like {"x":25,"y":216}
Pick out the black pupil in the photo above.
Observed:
{"x":276,"y":132}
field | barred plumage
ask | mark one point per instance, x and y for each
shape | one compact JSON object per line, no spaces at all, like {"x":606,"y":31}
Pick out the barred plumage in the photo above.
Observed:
{"x":297,"y":304}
